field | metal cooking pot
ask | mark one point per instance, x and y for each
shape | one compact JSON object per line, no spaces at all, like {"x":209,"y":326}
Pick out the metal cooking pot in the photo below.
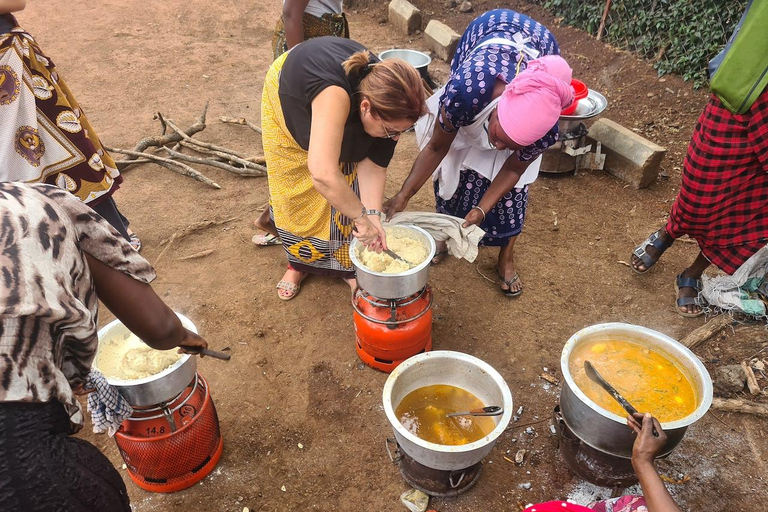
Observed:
{"x":608,"y":432}
{"x":417,"y":59}
{"x":395,"y":286}
{"x":455,"y":369}
{"x":155,"y":389}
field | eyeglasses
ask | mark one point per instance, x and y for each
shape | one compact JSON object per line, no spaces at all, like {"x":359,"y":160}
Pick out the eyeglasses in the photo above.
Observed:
{"x":392,"y":135}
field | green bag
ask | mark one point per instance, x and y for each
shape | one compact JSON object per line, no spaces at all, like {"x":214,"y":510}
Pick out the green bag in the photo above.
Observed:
{"x":743,"y":73}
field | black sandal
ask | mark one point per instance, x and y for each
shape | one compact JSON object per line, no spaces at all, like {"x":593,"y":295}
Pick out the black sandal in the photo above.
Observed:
{"x":508,"y":292}
{"x":655,"y":241}
{"x":688,"y":282}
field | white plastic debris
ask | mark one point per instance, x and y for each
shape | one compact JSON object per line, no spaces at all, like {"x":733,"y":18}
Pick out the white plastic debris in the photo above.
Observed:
{"x":415,"y":500}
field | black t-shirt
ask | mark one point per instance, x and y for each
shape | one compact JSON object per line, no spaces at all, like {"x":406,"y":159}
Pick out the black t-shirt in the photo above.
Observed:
{"x":311,"y":67}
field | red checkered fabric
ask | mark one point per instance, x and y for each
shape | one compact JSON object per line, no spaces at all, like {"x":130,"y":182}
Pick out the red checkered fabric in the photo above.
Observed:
{"x":723,"y":198}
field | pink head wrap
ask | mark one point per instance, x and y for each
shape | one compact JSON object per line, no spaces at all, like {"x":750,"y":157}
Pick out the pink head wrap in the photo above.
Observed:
{"x":531,"y":103}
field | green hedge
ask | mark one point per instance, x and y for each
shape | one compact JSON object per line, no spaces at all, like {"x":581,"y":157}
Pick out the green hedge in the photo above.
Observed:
{"x":680,"y":36}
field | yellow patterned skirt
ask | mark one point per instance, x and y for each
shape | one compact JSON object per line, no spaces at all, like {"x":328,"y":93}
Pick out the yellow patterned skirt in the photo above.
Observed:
{"x":315,"y":236}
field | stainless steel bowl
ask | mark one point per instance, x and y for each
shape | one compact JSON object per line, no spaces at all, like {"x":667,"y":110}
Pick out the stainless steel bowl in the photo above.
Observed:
{"x":395,"y":286}
{"x":418,"y":60}
{"x":158,"y":388}
{"x":608,"y":432}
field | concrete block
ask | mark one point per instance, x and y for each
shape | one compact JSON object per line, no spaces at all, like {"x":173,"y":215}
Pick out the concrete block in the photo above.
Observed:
{"x":404,"y":16}
{"x":628,"y":156}
{"x":441,"y":39}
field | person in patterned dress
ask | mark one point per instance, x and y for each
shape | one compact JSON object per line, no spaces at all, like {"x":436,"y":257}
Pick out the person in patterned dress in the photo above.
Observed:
{"x":58,"y":259}
{"x":45,"y":136}
{"x":487,"y":128}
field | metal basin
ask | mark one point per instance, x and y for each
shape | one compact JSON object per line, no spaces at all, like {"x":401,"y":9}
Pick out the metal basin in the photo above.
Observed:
{"x":418,"y":60}
{"x":395,"y":286}
{"x":155,"y":389}
{"x":608,"y":432}
{"x":455,"y":369}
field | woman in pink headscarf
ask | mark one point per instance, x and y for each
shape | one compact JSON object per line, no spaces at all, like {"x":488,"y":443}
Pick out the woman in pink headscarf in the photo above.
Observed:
{"x":487,"y":128}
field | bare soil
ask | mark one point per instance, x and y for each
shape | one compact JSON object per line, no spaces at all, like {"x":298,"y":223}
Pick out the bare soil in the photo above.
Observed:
{"x":294,"y":376}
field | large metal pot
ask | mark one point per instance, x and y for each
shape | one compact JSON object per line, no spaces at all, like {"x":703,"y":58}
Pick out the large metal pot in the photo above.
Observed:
{"x":455,"y":369}
{"x":606,"y":431}
{"x":418,"y":60}
{"x":159,"y":388}
{"x":395,"y":286}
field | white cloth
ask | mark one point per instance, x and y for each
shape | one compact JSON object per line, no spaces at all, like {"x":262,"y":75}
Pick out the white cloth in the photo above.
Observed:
{"x":471,"y":149}
{"x":741,"y":291}
{"x":462,"y":242}
{"x":107,"y":406}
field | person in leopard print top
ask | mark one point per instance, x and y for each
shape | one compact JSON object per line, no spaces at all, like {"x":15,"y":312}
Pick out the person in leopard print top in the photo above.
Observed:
{"x":58,"y":258}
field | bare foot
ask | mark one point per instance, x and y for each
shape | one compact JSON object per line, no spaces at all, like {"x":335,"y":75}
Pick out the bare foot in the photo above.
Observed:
{"x":441,"y":251}
{"x":264,"y":223}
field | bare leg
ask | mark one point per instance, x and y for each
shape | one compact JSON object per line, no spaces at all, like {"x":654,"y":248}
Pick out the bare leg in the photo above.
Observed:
{"x":441,"y":251}
{"x":695,"y":271}
{"x":264,"y":222}
{"x":506,"y":267}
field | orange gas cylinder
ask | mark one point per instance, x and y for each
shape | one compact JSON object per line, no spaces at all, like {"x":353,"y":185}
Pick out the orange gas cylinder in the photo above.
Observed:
{"x":172,"y":446}
{"x":390,"y":331}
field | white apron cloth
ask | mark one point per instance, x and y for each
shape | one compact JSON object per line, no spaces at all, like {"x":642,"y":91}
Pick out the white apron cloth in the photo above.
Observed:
{"x":471,"y":149}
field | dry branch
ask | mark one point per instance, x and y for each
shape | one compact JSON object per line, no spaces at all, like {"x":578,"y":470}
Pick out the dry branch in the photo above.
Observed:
{"x":195,"y":145}
{"x":213,"y":163}
{"x":206,"y":145}
{"x":242,"y":121}
{"x":754,"y":388}
{"x":741,"y":406}
{"x":162,"y":140}
{"x":201,"y":254}
{"x":192,"y":228}
{"x":706,"y":331}
{"x":123,"y":164}
{"x":172,"y":165}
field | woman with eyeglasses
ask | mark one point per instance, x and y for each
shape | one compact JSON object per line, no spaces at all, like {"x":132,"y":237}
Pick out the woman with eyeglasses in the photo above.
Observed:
{"x":331,"y":115}
{"x":487,"y":128}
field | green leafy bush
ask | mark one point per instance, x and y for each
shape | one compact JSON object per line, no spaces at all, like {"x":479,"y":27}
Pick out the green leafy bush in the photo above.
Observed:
{"x":679,"y":36}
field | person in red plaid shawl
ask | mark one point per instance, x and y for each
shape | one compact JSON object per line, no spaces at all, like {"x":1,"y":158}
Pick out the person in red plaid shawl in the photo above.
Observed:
{"x":723,"y":198}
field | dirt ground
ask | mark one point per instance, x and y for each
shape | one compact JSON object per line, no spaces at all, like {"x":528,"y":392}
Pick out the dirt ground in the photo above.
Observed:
{"x":294,"y":376}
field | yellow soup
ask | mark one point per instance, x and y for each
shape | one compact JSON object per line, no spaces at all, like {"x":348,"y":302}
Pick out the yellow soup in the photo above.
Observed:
{"x":649,"y":380}
{"x":424,"y":413}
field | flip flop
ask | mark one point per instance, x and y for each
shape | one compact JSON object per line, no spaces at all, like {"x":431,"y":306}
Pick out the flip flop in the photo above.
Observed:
{"x":688,"y":282}
{"x":266,"y":239}
{"x":135,"y":242}
{"x":292,"y":288}
{"x":509,"y":292}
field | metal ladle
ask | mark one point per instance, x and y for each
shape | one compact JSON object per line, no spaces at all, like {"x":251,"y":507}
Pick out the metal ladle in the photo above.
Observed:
{"x":490,"y":410}
{"x":594,"y":376}
{"x":396,"y":256}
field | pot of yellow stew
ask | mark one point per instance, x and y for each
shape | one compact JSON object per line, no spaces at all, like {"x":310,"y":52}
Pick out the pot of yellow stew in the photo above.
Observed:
{"x":655,"y":373}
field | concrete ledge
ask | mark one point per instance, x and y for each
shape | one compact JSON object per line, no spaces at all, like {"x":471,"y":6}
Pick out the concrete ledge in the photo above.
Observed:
{"x":404,"y":16}
{"x":442,"y":40}
{"x":628,"y":156}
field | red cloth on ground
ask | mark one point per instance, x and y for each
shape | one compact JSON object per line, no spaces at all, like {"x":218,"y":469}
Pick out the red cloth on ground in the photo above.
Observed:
{"x":723,"y":198}
{"x":629,"y":503}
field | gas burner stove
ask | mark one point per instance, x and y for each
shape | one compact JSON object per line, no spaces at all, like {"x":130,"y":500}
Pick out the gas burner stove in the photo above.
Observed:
{"x":590,"y":464}
{"x":435,"y":482}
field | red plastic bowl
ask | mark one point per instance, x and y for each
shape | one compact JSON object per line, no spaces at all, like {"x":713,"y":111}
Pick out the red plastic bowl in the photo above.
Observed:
{"x":580,"y":91}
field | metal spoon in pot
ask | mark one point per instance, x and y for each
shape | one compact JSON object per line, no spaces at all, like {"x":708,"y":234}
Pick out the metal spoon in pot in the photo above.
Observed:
{"x":397,"y":257}
{"x":197,"y":351}
{"x":491,"y":410}
{"x":594,"y":376}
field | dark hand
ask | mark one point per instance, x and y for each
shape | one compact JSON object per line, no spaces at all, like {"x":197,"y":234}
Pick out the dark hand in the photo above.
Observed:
{"x":394,"y":205}
{"x":192,"y":343}
{"x":647,"y":446}
{"x":474,"y":217}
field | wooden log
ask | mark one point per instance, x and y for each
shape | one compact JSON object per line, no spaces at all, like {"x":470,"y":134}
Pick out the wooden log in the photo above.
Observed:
{"x":754,"y":388}
{"x":238,"y":156}
{"x":195,"y":145}
{"x":740,"y":406}
{"x":706,"y":331}
{"x":176,"y":167}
